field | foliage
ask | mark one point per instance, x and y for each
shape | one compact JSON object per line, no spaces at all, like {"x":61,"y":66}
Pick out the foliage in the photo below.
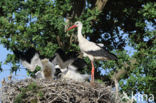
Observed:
{"x":42,"y":23}
{"x":32,"y":74}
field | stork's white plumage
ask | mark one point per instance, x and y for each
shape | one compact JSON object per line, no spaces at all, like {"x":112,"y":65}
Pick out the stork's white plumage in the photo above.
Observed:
{"x":67,"y":66}
{"x":35,"y":61}
{"x":62,"y":59}
{"x":90,"y":49}
{"x":68,"y":60}
{"x":70,"y":73}
{"x":47,"y":68}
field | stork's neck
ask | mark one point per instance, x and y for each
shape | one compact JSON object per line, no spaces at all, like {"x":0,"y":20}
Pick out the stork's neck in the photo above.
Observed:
{"x":80,"y":37}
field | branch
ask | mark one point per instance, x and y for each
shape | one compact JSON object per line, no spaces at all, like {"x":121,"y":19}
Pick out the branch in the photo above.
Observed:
{"x":116,"y":89}
{"x":78,"y":7}
{"x":100,"y":4}
{"x":123,"y":72}
{"x":59,"y":41}
{"x":71,"y":39}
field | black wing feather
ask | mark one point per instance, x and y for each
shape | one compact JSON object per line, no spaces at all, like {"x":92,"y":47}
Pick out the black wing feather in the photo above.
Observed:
{"x":102,"y":53}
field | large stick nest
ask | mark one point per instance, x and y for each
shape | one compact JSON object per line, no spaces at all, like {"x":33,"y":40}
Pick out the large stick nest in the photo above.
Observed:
{"x":55,"y":91}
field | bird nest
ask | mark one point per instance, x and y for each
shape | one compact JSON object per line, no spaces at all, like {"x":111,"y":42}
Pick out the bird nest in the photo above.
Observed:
{"x":55,"y":91}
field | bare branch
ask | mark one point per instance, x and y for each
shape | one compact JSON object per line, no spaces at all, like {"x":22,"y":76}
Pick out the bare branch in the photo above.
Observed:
{"x":78,"y":7}
{"x":122,"y":72}
{"x":59,"y":41}
{"x":100,"y":4}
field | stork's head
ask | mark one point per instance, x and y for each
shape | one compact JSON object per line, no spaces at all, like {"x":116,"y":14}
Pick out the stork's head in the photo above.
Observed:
{"x":76,"y":24}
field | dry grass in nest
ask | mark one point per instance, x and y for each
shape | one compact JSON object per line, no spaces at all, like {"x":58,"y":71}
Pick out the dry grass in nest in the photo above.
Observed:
{"x":55,"y":91}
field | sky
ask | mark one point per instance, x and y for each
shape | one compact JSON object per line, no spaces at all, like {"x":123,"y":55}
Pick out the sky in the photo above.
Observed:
{"x":21,"y":74}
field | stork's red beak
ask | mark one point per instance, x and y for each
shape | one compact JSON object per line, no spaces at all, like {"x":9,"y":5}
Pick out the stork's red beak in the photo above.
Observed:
{"x":74,"y":26}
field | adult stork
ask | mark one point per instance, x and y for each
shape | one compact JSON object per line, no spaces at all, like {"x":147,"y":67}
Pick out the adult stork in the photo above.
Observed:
{"x":90,"y":49}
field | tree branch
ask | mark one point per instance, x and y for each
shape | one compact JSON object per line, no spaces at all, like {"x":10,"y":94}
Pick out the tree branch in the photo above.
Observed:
{"x":100,"y":4}
{"x":123,"y":72}
{"x":78,"y":7}
{"x":59,"y":41}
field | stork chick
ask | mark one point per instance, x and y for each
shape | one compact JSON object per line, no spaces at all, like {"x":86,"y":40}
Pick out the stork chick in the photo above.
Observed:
{"x":35,"y":61}
{"x":62,"y":59}
{"x":48,"y":69}
{"x":71,"y":73}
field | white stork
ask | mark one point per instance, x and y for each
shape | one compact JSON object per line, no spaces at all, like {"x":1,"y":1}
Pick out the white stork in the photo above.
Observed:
{"x":90,"y":49}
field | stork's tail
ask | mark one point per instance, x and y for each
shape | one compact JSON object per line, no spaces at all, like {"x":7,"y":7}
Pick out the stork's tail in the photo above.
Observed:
{"x":112,"y":56}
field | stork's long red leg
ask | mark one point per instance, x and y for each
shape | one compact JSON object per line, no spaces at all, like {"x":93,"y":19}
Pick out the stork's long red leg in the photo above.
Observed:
{"x":92,"y":72}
